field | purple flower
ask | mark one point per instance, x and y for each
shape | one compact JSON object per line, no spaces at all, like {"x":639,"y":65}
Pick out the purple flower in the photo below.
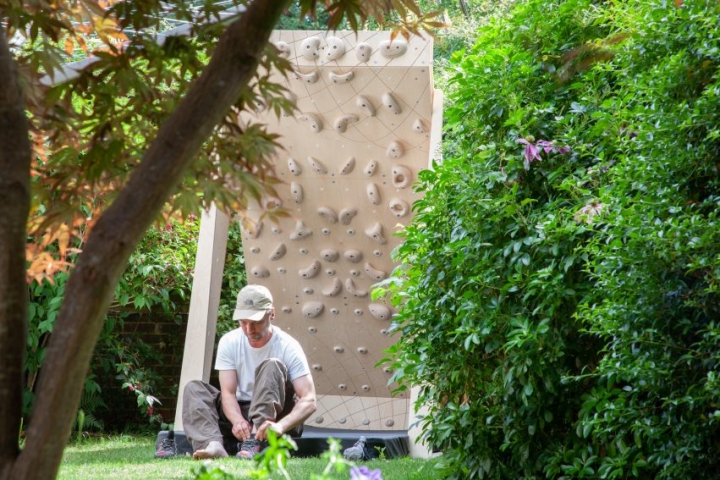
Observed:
{"x":547,"y":146}
{"x":532,"y":152}
{"x":364,"y":473}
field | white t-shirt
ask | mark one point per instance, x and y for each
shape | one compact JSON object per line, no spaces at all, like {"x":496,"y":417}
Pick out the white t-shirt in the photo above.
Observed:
{"x":235,"y":353}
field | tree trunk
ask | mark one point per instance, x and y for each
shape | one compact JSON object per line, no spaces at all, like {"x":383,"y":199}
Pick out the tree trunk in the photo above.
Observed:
{"x":120,"y":228}
{"x":14,"y":207}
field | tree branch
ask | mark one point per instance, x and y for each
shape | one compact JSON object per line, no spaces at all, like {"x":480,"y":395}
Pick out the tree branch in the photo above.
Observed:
{"x":15,"y":151}
{"x":117,"y":232}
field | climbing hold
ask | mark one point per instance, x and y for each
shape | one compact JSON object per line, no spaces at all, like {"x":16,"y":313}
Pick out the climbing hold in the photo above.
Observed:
{"x":353,"y":290}
{"x":334,"y":289}
{"x":339,"y":349}
{"x":271,"y":203}
{"x":342,"y":122}
{"x":296,"y":192}
{"x":348,"y":167}
{"x":311,"y":77}
{"x":370,"y":169}
{"x":310,"y":271}
{"x":373,"y":193}
{"x":395,"y":150}
{"x":279,"y":252}
{"x":390,"y":102}
{"x":379,"y":311}
{"x":365,"y":105}
{"x":328,"y":214}
{"x":301,"y":231}
{"x":419,"y":126}
{"x":347,"y":214}
{"x":309,"y":48}
{"x":312,"y":309}
{"x":393,"y":48}
{"x":341,"y":77}
{"x":317,"y":166}
{"x":363,"y":51}
{"x":353,"y":255}
{"x":401,"y":176}
{"x":335,"y":48}
{"x":252,"y":230}
{"x":314,"y":121}
{"x":283,"y":49}
{"x":373,"y":273}
{"x":376,"y":233}
{"x":329,"y":254}
{"x":294,"y":167}
{"x":399,"y":207}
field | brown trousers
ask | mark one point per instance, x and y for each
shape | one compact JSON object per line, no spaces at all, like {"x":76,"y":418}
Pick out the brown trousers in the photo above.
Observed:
{"x":204,"y":420}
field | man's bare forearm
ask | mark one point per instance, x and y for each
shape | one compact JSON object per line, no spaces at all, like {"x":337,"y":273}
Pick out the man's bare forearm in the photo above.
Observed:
{"x":231,"y":407}
{"x":302,"y":410}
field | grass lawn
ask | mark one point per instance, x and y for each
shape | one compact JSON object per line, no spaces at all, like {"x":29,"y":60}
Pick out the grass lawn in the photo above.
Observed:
{"x":130,"y":457}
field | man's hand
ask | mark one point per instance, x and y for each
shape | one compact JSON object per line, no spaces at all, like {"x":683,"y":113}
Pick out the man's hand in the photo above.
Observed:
{"x":241,"y":429}
{"x":261,"y":434}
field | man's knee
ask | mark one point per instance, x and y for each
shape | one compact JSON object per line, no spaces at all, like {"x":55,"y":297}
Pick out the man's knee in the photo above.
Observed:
{"x":273,"y":362}
{"x":272,"y":368}
{"x":273,"y":365}
{"x":194,"y":388}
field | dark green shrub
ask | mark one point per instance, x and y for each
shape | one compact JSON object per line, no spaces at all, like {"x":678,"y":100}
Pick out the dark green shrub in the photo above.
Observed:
{"x":491,"y":270}
{"x":559,"y":310}
{"x":656,"y":256}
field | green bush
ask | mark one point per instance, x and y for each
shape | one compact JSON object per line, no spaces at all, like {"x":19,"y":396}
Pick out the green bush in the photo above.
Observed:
{"x":655,"y":258}
{"x":559,"y":283}
{"x":491,"y":271}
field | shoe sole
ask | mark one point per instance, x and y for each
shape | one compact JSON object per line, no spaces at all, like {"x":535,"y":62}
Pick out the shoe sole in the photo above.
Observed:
{"x":202,"y":455}
{"x":244,"y":457}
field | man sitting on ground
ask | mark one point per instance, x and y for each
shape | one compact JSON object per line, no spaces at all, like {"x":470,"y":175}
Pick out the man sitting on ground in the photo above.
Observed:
{"x":265,"y":383}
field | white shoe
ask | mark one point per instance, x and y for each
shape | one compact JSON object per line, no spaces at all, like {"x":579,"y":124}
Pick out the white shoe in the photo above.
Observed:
{"x":213,"y":450}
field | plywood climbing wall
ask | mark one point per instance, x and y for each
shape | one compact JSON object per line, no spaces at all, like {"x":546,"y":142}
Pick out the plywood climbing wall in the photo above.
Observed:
{"x":350,"y":158}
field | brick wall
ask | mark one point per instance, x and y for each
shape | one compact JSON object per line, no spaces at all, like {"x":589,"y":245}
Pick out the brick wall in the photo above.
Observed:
{"x":165,"y":335}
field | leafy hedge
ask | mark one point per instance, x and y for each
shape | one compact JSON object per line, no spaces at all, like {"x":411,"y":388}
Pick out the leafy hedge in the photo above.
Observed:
{"x":559,"y":283}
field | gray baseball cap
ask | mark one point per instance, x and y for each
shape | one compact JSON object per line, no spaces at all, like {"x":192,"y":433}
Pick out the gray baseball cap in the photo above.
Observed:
{"x":253,"y":302}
